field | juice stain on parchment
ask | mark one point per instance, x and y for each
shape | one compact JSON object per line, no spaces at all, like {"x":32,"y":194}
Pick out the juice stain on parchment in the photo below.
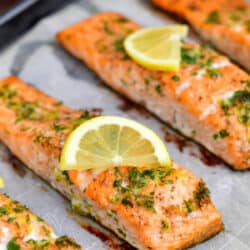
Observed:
{"x":107,"y":238}
{"x":193,"y":149}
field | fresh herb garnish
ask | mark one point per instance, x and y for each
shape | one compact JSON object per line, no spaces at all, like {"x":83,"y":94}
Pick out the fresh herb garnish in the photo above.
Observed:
{"x":165,"y":225}
{"x":235,"y":17}
{"x":131,"y":185}
{"x":19,"y":208}
{"x":189,"y":55}
{"x":62,"y":176}
{"x":247,"y":25}
{"x":12,"y":245}
{"x":121,"y":20}
{"x":3,"y":211}
{"x":158,"y":88}
{"x":65,"y":241}
{"x":107,"y":29}
{"x":202,"y":193}
{"x":175,"y":78}
{"x":221,"y":134}
{"x":239,"y":104}
{"x":213,"y":73}
{"x":25,"y":110}
{"x":82,"y":118}
{"x":118,"y":45}
{"x":213,"y":17}
{"x":7,"y":93}
{"x":58,"y":127}
{"x":189,"y":205}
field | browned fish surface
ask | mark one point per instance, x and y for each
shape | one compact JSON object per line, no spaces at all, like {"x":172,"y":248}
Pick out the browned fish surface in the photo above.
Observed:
{"x":208,"y":99}
{"x":21,"y":229}
{"x":224,"y":23}
{"x":150,"y":208}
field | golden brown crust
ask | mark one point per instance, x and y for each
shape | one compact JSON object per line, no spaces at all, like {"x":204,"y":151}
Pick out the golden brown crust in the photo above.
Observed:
{"x":172,"y":205}
{"x":227,"y":30}
{"x":21,"y":229}
{"x":209,"y":86}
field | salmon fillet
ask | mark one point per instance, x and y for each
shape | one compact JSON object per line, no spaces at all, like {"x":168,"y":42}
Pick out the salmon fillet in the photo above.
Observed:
{"x":224,"y":23}
{"x":21,"y":229}
{"x":208,"y":99}
{"x":157,"y":209}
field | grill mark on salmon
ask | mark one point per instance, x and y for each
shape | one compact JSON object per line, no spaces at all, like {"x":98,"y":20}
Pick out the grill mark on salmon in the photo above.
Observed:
{"x":21,"y":229}
{"x":208,"y":95}
{"x":223,"y":23}
{"x":149,"y":208}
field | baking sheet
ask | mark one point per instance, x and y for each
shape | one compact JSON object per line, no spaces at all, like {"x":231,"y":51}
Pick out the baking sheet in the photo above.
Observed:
{"x":13,"y":9}
{"x":39,"y":60}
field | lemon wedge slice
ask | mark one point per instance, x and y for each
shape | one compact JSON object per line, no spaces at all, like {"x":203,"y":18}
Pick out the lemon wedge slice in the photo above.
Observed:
{"x":110,"y":141}
{"x":1,"y":182}
{"x":157,"y":48}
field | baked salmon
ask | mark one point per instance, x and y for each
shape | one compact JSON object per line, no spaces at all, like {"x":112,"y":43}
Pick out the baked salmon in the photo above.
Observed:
{"x":151,"y":208}
{"x":21,"y":229}
{"x":224,"y":23}
{"x":208,"y":99}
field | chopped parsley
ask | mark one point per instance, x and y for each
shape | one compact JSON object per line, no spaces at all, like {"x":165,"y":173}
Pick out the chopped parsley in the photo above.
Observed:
{"x":189,"y":206}
{"x":61,"y":242}
{"x":107,"y":29}
{"x":239,"y":104}
{"x":193,"y":132}
{"x":118,"y":45}
{"x":189,"y":55}
{"x":201,"y":196}
{"x":121,"y":20}
{"x":225,"y":107}
{"x":246,"y":83}
{"x":146,"y":81}
{"x":122,"y":233}
{"x":235,"y":17}
{"x":65,"y":241}
{"x":12,"y":245}
{"x":175,"y":78}
{"x":3,"y":211}
{"x":129,"y":187}
{"x":165,"y":225}
{"x":43,"y":139}
{"x":213,"y":17}
{"x":7,"y":93}
{"x":202,"y":193}
{"x":19,"y":208}
{"x":11,"y":219}
{"x":197,"y":55}
{"x":247,"y":25}
{"x":221,"y":134}
{"x":213,"y":73}
{"x":241,"y":101}
{"x":62,"y":176}
{"x":82,"y":118}
{"x":58,"y":127}
{"x":158,"y":88}
{"x":25,"y":110}
{"x":59,"y":103}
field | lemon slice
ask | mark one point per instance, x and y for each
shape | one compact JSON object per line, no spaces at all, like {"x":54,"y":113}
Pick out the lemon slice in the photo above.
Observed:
{"x":1,"y":182}
{"x":157,"y":48}
{"x":110,"y":141}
